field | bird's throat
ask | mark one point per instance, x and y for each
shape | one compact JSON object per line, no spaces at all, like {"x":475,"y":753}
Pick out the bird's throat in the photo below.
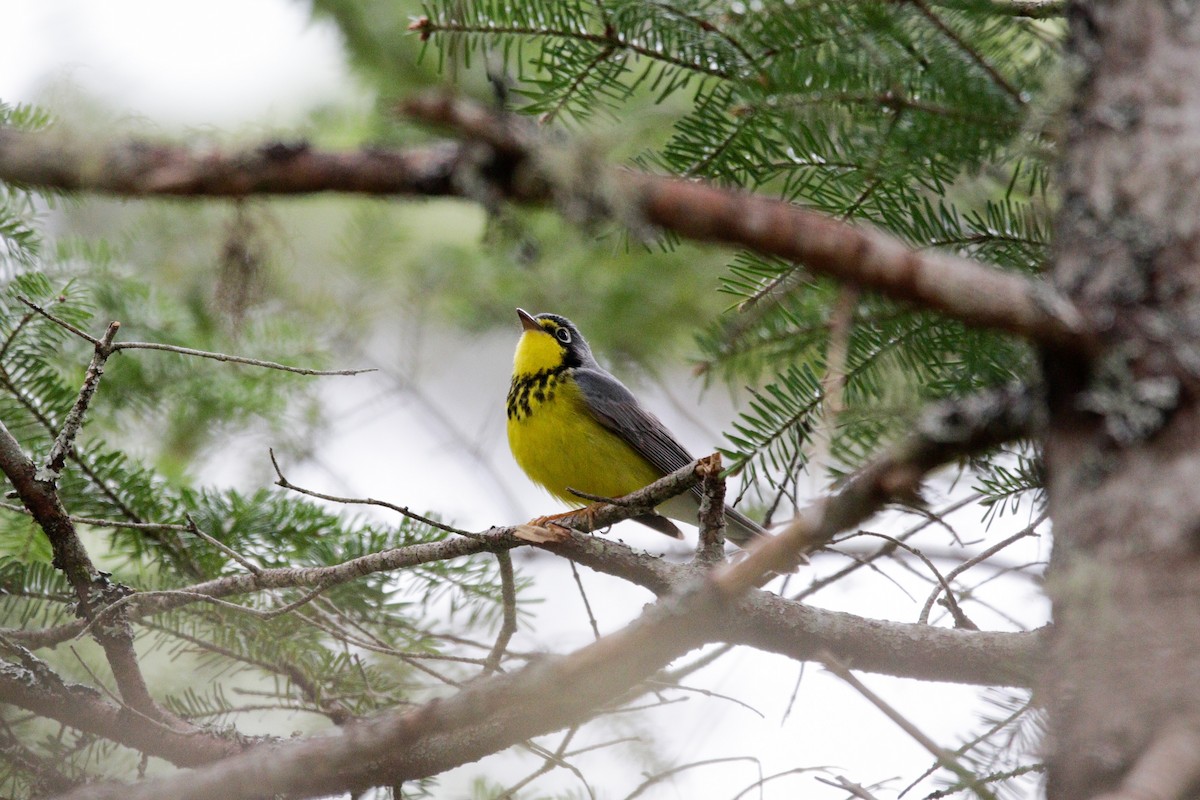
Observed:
{"x":537,"y":351}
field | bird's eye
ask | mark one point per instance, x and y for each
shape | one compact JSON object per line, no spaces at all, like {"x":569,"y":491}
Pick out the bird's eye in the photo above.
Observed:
{"x":563,"y":335}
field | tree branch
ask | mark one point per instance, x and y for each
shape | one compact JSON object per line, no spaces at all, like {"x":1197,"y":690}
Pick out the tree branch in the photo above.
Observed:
{"x":766,"y":621}
{"x":857,"y":254}
{"x":501,"y":161}
{"x":497,"y":712}
{"x":140,"y":168}
{"x":943,"y":757}
{"x":1033,"y":9}
{"x":64,"y":443}
{"x":93,"y":591}
{"x":32,"y":685}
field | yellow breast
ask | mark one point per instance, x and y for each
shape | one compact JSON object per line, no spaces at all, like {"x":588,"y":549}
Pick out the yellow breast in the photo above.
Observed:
{"x":560,"y":445}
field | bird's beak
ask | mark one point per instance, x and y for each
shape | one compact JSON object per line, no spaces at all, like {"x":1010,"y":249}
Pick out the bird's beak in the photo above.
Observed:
{"x":527,"y":321}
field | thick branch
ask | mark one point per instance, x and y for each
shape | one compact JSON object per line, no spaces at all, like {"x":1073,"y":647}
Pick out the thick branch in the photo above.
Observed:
{"x":502,"y":161}
{"x":92,"y":590}
{"x":775,"y":624}
{"x":496,"y":712}
{"x":140,"y":168}
{"x":860,"y":255}
{"x":42,"y":501}
{"x":81,"y":707}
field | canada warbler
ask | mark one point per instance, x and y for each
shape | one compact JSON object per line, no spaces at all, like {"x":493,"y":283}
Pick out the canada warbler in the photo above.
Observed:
{"x":572,"y":425}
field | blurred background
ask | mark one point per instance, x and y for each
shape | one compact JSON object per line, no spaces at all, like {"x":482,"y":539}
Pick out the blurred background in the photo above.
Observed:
{"x":424,"y":293}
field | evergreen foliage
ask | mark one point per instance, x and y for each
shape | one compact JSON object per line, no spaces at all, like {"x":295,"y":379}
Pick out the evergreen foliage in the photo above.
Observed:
{"x":913,"y":116}
{"x":356,"y":647}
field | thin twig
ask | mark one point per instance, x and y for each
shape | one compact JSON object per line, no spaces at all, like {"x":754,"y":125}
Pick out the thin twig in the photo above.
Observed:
{"x":600,"y":745}
{"x":764,"y":780}
{"x":587,"y":606}
{"x":598,"y":498}
{"x":983,"y":556}
{"x":658,"y":702}
{"x":229,"y":551}
{"x":508,"y":597}
{"x":706,"y":693}
{"x":944,"y":757}
{"x":970,"y":745}
{"x":335,"y":711}
{"x":254,"y":362}
{"x":106,"y":523}
{"x":970,"y":51}
{"x":15,"y":333}
{"x":62,"y":323}
{"x":96,"y":679}
{"x":881,"y":573}
{"x":886,"y":550}
{"x":119,"y":702}
{"x":557,"y":758}
{"x":330,"y":622}
{"x":961,"y":620}
{"x":791,"y":703}
{"x":679,"y":673}
{"x":64,"y":443}
{"x":855,"y":789}
{"x":284,"y":483}
{"x":667,"y":773}
{"x":1025,"y":769}
{"x":128,"y":599}
{"x":588,"y":71}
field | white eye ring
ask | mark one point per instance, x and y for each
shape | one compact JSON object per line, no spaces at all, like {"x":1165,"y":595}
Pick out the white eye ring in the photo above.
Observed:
{"x":563,"y":335}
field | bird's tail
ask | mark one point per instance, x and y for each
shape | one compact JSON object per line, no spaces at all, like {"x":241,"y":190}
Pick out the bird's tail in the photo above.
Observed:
{"x":740,"y":529}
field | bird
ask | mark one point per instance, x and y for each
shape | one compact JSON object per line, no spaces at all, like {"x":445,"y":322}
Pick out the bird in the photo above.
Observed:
{"x":572,"y":425}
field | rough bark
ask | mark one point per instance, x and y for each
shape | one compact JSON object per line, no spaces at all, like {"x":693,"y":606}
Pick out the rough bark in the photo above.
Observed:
{"x":1122,"y":459}
{"x":503,"y":159}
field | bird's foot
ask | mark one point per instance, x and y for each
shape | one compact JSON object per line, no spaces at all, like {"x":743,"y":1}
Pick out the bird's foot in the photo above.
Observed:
{"x":587,"y":514}
{"x":550,"y":528}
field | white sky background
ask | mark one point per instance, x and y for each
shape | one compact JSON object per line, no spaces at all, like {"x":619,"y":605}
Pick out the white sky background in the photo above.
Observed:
{"x":232,"y":63}
{"x":216,"y":62}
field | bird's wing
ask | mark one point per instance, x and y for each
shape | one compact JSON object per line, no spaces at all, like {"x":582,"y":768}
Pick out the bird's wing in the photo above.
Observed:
{"x":617,"y":409}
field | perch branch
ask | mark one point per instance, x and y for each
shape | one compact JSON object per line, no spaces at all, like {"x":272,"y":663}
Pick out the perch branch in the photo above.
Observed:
{"x":554,"y":692}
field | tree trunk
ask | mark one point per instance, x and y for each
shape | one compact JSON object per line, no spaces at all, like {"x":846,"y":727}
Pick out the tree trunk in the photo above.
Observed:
{"x":1122,"y":677}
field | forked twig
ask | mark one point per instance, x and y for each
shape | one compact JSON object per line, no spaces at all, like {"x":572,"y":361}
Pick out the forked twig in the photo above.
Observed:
{"x":944,"y":757}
